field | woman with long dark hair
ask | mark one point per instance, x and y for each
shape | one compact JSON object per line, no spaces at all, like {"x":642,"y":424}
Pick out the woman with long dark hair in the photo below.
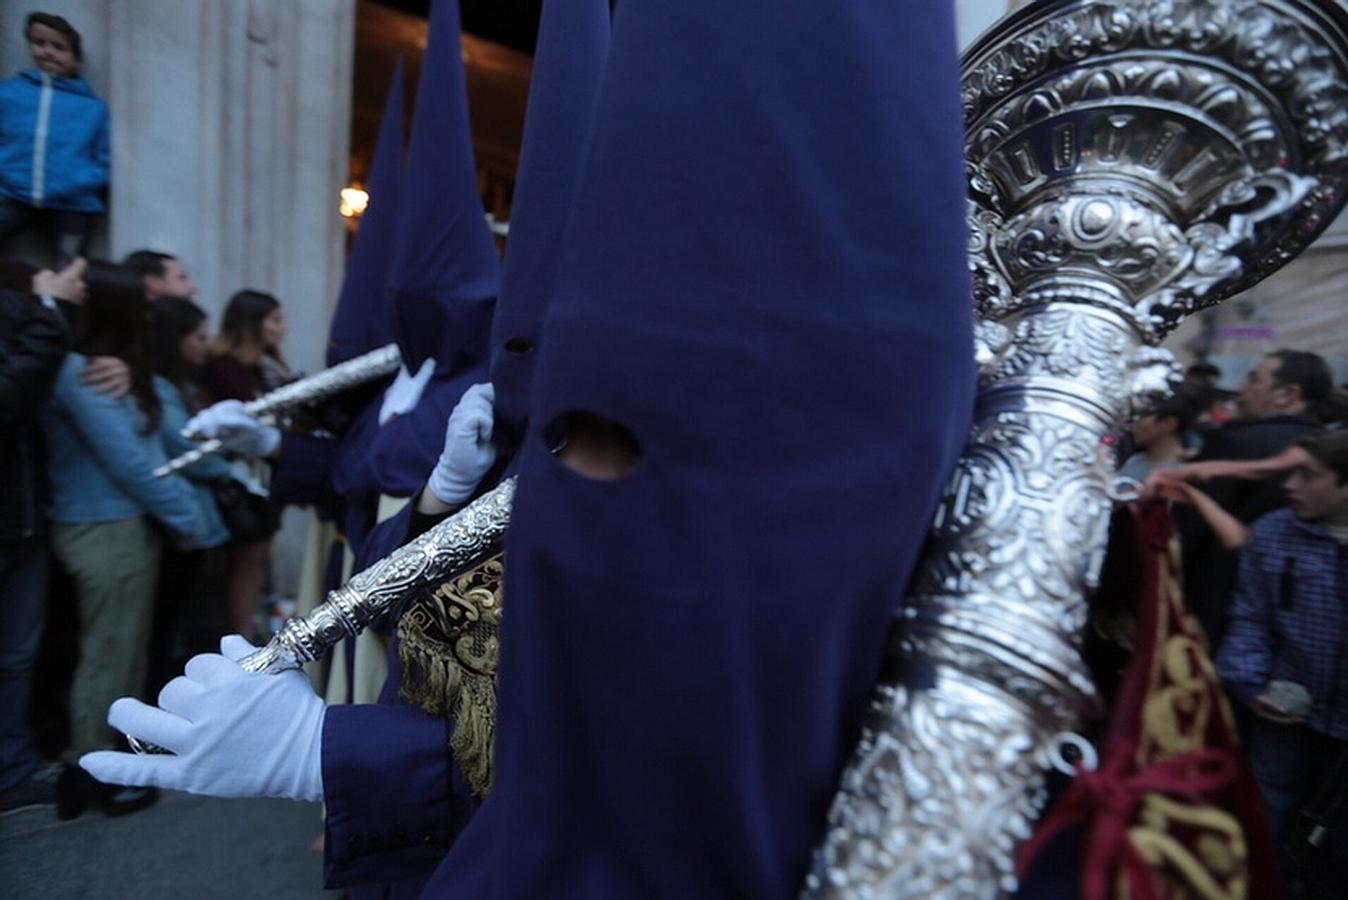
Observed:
{"x":185,"y":607}
{"x":246,"y":358}
{"x":108,"y":510}
{"x":246,"y":361}
{"x":179,"y":346}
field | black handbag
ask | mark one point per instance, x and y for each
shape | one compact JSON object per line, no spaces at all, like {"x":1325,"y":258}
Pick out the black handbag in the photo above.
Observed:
{"x":249,"y":517}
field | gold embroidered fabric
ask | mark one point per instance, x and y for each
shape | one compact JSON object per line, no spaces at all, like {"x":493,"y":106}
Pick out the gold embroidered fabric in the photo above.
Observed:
{"x":449,"y":646}
{"x":1196,"y":847}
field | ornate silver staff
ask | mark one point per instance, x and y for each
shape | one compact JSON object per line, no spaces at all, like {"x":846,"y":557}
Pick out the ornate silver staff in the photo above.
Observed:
{"x":471,"y":534}
{"x":1130,"y":161}
{"x":352,"y":373}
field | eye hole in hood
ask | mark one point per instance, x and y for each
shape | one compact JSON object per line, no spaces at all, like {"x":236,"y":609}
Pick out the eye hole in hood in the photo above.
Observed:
{"x":593,"y":446}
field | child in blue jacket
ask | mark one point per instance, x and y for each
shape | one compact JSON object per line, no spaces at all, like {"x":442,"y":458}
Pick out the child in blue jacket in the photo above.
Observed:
{"x":53,"y":141}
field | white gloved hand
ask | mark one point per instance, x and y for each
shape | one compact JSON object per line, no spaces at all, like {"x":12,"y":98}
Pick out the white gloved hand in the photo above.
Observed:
{"x":468,"y":452}
{"x":406,"y":390}
{"x":235,"y":428}
{"x":234,"y":733}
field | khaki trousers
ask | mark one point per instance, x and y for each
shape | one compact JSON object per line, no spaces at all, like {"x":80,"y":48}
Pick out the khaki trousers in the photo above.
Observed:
{"x":115,"y":566}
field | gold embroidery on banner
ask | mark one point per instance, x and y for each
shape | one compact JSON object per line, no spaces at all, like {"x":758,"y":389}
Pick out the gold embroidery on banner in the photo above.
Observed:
{"x":449,"y":646}
{"x":1212,"y":866}
{"x":1176,"y":713}
{"x":1196,"y":849}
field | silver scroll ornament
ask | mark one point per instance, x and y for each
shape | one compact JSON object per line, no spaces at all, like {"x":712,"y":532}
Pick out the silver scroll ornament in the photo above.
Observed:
{"x":342,"y":377}
{"x":1130,"y":162}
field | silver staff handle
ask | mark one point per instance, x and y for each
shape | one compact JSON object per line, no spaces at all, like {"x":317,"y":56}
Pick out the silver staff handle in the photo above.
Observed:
{"x":178,"y":463}
{"x":352,"y":373}
{"x":450,"y":547}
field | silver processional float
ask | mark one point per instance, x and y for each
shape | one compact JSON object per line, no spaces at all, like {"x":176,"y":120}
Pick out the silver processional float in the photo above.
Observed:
{"x":1130,"y":162}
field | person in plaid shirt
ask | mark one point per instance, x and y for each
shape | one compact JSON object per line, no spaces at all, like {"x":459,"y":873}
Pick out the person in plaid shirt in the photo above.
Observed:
{"x":1284,"y":653}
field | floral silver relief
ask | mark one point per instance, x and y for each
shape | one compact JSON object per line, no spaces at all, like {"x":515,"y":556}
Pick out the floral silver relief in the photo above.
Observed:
{"x":1129,"y":162}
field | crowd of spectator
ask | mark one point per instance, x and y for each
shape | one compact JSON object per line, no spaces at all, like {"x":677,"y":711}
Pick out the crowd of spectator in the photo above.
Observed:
{"x":99,"y":383}
{"x":1260,"y":480}
{"x":103,"y":365}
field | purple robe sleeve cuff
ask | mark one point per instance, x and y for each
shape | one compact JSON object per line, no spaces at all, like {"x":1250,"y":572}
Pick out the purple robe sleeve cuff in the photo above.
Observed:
{"x":389,"y":791}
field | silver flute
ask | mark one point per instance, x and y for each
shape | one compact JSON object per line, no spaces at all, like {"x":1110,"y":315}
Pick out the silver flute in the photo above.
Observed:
{"x":352,"y":373}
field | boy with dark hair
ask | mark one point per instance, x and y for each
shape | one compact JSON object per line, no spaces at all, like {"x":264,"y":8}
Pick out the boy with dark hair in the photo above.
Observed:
{"x":146,"y":262}
{"x":1158,"y":437}
{"x":1204,"y":372}
{"x":54,"y":151}
{"x":1284,"y":652}
{"x":57,"y":24}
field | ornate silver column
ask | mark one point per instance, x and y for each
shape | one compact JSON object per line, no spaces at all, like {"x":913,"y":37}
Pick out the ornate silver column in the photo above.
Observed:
{"x":1129,"y":161}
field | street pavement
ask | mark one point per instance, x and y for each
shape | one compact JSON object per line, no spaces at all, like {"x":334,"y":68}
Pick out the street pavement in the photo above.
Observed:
{"x":182,"y":847}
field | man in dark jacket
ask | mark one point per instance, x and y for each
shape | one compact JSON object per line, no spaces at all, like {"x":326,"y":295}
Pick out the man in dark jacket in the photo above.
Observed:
{"x":1276,"y":403}
{"x":33,"y":338}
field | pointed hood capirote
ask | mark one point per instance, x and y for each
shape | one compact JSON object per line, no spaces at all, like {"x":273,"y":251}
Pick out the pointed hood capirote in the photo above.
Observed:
{"x":569,"y":57}
{"x":364,"y":317}
{"x":442,"y":287}
{"x":445,"y":270}
{"x":764,"y":285}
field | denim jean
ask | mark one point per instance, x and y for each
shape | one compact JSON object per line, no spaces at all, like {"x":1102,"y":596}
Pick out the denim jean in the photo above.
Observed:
{"x":23,"y":600}
{"x":1285,"y":760}
{"x":1291,"y":764}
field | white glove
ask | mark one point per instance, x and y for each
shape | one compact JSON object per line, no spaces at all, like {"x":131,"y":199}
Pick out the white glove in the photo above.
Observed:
{"x":406,"y":390}
{"x":236,"y":429}
{"x":234,"y":733}
{"x":468,"y":452}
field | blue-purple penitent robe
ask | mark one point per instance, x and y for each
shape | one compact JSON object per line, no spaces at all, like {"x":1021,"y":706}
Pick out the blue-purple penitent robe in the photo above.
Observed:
{"x":764,"y":282}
